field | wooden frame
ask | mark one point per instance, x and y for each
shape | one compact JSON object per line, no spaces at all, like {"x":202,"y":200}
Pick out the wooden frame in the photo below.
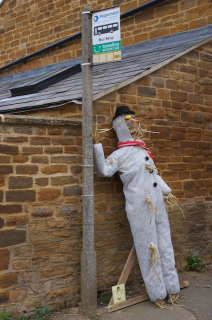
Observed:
{"x":123,"y":279}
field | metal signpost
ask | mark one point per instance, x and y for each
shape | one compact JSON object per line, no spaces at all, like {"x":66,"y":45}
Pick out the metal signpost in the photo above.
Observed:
{"x":106,"y":40}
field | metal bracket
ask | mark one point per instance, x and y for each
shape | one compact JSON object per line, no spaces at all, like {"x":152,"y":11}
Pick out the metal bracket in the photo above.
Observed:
{"x":89,"y":12}
{"x":86,"y":64}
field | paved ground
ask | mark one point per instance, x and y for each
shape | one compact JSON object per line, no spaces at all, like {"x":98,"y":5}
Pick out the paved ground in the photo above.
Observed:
{"x":195,"y":304}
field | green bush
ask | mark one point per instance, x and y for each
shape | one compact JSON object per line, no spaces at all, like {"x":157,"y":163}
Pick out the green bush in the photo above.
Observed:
{"x":194,"y":263}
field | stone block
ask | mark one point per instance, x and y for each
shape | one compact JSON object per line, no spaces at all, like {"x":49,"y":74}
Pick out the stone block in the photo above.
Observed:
{"x":26,"y":169}
{"x":18,"y":295}
{"x":21,"y":264}
{"x":146,"y":91}
{"x":32,"y":150}
{"x":58,"y":181}
{"x":62,"y":141}
{"x":8,"y":279}
{"x":36,"y":141}
{"x":178,"y":96}
{"x":20,"y":182}
{"x":4,"y":259}
{"x":5,"y":169}
{"x":4,"y":296}
{"x":23,"y":129}
{"x":1,"y":223}
{"x":40,"y":159}
{"x":20,"y":159}
{"x":18,"y":139}
{"x":21,"y":196}
{"x":42,"y":181}
{"x":12,"y":237}
{"x":10,"y":208}
{"x":53,"y":150}
{"x":48,"y":194}
{"x":64,"y":159}
{"x":17,"y":220}
{"x":42,"y":212}
{"x":72,"y":190}
{"x":54,"y":169}
{"x":7,"y":149}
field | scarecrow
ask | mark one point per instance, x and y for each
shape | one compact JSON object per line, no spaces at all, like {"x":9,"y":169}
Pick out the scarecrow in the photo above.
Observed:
{"x":144,"y":192}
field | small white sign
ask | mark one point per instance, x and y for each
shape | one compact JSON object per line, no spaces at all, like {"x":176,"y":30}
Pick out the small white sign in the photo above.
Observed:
{"x":106,"y":35}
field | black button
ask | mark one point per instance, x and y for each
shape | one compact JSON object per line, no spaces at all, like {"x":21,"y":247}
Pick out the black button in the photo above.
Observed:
{"x":151,"y":171}
{"x":155,"y":184}
{"x":147,"y":158}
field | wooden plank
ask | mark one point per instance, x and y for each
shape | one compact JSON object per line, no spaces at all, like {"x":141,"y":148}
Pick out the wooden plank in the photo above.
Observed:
{"x":127,"y":303}
{"x":126,"y":271}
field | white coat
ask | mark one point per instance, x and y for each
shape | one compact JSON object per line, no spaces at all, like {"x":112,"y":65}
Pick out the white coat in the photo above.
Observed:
{"x":145,"y":210}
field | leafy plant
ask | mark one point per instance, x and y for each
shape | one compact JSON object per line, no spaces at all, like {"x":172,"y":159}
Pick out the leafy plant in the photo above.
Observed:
{"x":105,"y":297}
{"x":5,"y":315}
{"x":194,"y":263}
{"x":22,"y":318}
{"x":41,"y":312}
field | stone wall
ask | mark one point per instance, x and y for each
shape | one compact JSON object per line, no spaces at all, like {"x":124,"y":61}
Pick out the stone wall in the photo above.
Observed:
{"x":176,"y":102}
{"x":27,"y":26}
{"x":40,"y":212}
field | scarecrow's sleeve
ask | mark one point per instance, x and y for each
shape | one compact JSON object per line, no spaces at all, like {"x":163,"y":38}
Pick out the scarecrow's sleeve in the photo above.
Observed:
{"x":104,"y":167}
{"x":164,"y":187}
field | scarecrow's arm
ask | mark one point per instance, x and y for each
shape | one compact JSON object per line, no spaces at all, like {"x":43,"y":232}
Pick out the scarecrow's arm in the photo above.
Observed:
{"x":104,"y":168}
{"x":164,"y":187}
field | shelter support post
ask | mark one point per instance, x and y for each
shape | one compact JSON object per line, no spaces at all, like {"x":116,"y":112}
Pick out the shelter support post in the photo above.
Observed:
{"x":88,"y":254}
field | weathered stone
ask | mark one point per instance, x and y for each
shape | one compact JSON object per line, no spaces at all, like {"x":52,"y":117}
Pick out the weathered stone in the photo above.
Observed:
{"x":72,"y":190}
{"x":63,"y":159}
{"x":32,"y":150}
{"x":23,"y":129}
{"x":18,"y":295}
{"x":53,"y":150}
{"x":57,"y":181}
{"x":59,"y":293}
{"x":20,"y":182}
{"x":21,"y":264}
{"x":4,"y":159}
{"x":21,"y":196}
{"x":18,"y":139}
{"x":4,"y":259}
{"x":20,"y":159}
{"x":7,"y":149}
{"x":8,"y":279}
{"x":54,"y":169}
{"x":42,"y":212}
{"x":39,"y":141}
{"x":23,"y":251}
{"x":26,"y":169}
{"x":52,"y":271}
{"x":4,"y":169}
{"x":48,"y":194}
{"x":4,"y":296}
{"x":55,"y":130}
{"x":1,"y":195}
{"x":1,"y":223}
{"x":10,"y":208}
{"x":146,"y":91}
{"x":42,"y":181}
{"x":40,"y":159}
{"x":12,"y":237}
{"x":62,"y":141}
{"x":17,"y":220}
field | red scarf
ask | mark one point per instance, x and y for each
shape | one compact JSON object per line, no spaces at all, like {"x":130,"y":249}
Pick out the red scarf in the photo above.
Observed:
{"x":131,"y":143}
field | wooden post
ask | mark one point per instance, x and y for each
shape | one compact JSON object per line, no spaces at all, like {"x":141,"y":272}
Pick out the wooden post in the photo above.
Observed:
{"x":88,"y":254}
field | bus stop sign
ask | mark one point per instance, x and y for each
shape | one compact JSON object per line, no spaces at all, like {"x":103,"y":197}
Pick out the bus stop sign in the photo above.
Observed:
{"x":106,"y":35}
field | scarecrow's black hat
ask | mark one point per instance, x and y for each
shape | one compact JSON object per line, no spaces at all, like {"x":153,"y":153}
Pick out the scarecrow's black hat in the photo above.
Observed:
{"x":122,"y":110}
